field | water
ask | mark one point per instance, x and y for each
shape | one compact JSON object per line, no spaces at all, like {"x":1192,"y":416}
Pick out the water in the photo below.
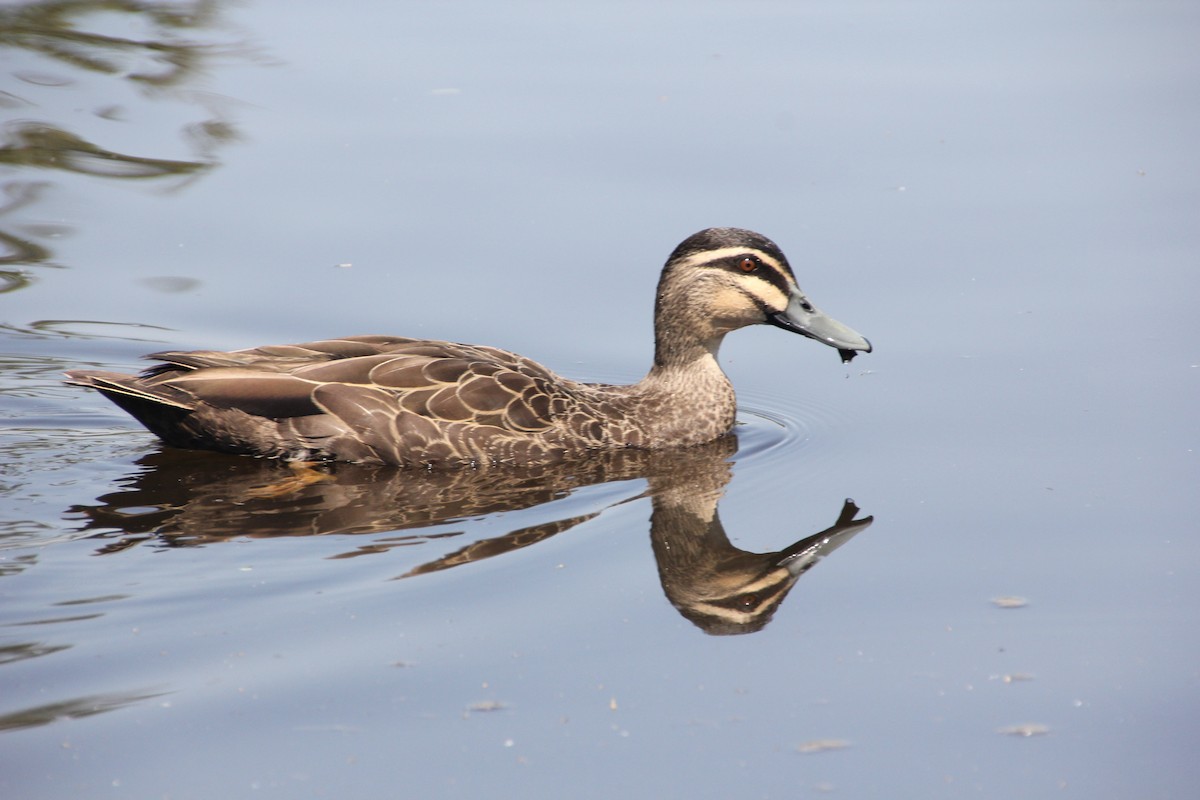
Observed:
{"x":1002,"y":198}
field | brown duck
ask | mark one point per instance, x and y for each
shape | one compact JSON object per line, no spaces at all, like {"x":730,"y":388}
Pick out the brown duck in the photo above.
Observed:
{"x":432,"y":404}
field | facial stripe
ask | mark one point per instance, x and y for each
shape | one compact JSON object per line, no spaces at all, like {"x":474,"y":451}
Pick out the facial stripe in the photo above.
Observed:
{"x":764,"y":293}
{"x":743,"y":606}
{"x":753,"y":596}
{"x":771,"y":272}
{"x":703,"y":257}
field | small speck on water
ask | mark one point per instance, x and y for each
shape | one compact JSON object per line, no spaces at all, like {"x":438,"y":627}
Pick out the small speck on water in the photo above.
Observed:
{"x":170,"y":284}
{"x":1016,"y":677}
{"x":1026,"y":729}
{"x":485,"y":706}
{"x":822,"y":745}
{"x":1009,"y":601}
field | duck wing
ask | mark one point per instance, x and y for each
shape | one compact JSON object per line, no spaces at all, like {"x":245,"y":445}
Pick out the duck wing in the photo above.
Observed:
{"x":370,"y":398}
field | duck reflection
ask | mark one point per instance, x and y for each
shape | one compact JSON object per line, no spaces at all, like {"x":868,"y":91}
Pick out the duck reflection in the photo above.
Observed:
{"x":185,"y":498}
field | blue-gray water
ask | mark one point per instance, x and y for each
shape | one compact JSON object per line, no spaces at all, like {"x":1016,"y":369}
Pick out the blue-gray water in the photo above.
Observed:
{"x":1003,"y":197}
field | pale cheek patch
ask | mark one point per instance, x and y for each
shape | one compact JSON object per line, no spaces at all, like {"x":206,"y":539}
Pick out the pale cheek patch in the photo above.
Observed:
{"x":732,"y":308}
{"x":764,"y":294}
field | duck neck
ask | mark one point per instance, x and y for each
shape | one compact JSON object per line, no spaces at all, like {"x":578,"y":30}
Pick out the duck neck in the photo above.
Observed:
{"x":685,"y":399}
{"x":696,"y":378}
{"x":684,"y":333}
{"x":686,"y":393}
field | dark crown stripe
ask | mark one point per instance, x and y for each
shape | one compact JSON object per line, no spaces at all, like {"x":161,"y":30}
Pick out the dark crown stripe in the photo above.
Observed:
{"x":771,"y":269}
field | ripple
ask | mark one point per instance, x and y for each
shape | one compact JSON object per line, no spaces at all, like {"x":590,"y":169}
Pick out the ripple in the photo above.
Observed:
{"x":774,"y":426}
{"x":771,"y":428}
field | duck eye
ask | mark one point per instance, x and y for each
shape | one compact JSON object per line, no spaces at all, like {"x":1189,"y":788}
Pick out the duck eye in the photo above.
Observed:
{"x":747,"y":601}
{"x":748,"y":264}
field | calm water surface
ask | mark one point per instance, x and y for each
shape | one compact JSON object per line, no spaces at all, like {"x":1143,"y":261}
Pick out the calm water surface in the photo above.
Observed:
{"x":1003,"y":198}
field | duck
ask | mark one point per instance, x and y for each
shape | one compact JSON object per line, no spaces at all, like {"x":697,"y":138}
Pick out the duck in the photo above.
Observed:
{"x":419,"y":403}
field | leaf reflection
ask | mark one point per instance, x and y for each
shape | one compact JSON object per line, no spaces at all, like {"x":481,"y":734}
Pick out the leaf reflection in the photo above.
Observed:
{"x":187,"y":498}
{"x":22,"y":651}
{"x":51,"y":28}
{"x":53,"y":44}
{"x":76,"y":708}
{"x":78,"y":329}
{"x":38,"y":144}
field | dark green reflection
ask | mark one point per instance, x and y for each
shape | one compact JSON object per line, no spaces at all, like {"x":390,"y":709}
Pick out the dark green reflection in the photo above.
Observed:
{"x":75,"y":708}
{"x":52,"y":44}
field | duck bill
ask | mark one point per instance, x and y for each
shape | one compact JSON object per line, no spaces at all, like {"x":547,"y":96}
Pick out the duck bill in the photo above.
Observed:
{"x":803,"y":555}
{"x":804,"y":318}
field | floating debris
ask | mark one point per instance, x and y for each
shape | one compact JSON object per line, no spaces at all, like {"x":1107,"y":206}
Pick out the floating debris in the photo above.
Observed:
{"x":170,"y":284}
{"x":1027,"y":729}
{"x":485,"y":706}
{"x":1009,"y":601}
{"x":1016,"y":677}
{"x":821,"y":745}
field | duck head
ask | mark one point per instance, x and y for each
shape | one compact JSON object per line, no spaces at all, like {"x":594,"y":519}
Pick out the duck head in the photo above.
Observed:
{"x":722,"y":279}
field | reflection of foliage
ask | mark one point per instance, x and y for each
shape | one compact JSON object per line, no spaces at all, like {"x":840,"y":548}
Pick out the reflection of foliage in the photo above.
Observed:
{"x":34,"y":144}
{"x":16,"y":249}
{"x":159,"y":56}
{"x":75,"y":708}
{"x":76,"y":329}
{"x":49,"y":28}
{"x":22,"y":651}
{"x":13,"y":279}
